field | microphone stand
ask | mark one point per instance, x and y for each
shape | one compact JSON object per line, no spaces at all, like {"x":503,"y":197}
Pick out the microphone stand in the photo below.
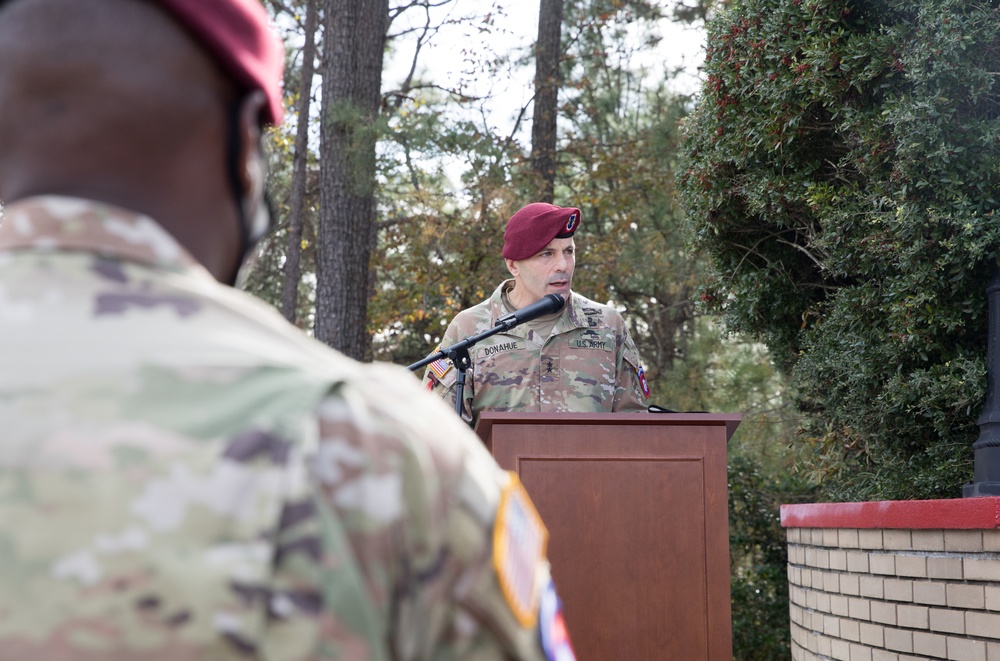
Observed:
{"x":458,"y":354}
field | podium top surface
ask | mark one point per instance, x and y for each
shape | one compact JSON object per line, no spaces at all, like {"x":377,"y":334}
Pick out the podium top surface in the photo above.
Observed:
{"x":488,"y":418}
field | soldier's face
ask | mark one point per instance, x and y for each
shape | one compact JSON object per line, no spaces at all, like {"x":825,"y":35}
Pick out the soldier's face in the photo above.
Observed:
{"x":547,"y":272}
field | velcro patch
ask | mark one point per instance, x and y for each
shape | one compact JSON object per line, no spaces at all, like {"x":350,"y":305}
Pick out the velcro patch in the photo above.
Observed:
{"x":519,"y":541}
{"x":440,"y":367}
{"x":604,"y":345}
{"x":500,"y":347}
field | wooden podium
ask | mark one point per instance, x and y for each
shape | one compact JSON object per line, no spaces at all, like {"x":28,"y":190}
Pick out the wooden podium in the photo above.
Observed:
{"x":637,"y":509}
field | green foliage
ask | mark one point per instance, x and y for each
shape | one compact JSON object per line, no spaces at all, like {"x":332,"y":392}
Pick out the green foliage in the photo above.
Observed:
{"x":759,"y":558}
{"x":841,"y":171}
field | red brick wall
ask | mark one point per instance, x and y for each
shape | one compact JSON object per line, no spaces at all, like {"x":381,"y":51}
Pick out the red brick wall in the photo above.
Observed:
{"x":890,"y":594}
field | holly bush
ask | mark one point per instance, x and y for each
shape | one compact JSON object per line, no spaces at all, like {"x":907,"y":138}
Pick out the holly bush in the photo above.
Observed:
{"x":841,"y":172}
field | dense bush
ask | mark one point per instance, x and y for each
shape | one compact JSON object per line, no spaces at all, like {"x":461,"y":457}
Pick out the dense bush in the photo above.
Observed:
{"x":841,"y":171}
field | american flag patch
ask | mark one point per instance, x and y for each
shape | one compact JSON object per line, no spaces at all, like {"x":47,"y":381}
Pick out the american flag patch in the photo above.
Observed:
{"x":439,"y":368}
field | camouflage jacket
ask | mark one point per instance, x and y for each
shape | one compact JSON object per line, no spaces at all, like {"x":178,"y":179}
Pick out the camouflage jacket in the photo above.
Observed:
{"x":589,"y":363}
{"x":185,"y":475}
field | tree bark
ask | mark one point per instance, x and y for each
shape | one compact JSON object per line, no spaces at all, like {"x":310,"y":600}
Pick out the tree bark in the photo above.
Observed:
{"x":293,"y":254}
{"x":354,"y":42}
{"x":547,"y":81}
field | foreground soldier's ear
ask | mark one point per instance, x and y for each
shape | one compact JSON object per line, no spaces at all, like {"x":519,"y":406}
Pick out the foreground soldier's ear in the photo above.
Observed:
{"x":251,"y":171}
{"x":251,"y":168}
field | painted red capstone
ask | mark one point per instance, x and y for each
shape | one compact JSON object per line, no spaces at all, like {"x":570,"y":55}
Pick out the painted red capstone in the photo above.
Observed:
{"x":956,"y":514}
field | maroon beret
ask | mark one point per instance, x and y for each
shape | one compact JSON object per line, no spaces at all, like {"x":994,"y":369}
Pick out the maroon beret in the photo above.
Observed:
{"x":238,"y":35}
{"x":532,"y":227}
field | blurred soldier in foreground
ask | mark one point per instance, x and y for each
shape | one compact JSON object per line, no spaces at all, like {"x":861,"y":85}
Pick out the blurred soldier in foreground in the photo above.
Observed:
{"x":580,"y":359}
{"x":183,"y":475}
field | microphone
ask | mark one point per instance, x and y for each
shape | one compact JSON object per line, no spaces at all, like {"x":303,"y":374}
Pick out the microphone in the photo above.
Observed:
{"x":548,"y":304}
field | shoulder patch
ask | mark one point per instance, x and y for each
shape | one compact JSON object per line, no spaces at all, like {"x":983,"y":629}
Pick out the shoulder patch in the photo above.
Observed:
{"x":519,"y":541}
{"x":440,"y":367}
{"x":641,"y":373}
{"x":552,"y":627}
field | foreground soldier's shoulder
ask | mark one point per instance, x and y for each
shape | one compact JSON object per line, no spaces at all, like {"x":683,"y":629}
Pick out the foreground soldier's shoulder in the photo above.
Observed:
{"x":494,"y":536}
{"x":407,"y":429}
{"x":387,"y":401}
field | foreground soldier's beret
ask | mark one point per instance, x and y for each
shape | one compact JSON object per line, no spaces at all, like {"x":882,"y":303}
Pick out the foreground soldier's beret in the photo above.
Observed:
{"x":532,"y":227}
{"x":238,"y":35}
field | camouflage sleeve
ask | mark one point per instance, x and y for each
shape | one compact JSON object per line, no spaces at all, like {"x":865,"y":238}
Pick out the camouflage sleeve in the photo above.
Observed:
{"x":630,"y":385}
{"x":417,"y":497}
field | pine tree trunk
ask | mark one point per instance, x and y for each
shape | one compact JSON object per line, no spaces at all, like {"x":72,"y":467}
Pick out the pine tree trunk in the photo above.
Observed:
{"x":547,"y":80}
{"x":352,"y":75}
{"x":293,"y":254}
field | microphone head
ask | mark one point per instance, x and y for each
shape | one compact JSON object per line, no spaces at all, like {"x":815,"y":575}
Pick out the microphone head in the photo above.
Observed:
{"x":558,"y":302}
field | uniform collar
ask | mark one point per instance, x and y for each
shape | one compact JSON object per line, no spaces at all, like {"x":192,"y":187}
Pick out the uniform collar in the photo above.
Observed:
{"x":55,"y":222}
{"x":571,"y":316}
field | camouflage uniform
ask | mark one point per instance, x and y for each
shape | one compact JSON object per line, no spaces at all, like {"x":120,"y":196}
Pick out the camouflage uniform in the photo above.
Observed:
{"x":185,"y":475}
{"x":588,"y":364}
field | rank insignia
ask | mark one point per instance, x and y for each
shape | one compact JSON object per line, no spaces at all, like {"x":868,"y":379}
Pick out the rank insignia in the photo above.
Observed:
{"x":552,"y":627}
{"x":571,"y":222}
{"x":642,"y":381}
{"x":519,"y":540}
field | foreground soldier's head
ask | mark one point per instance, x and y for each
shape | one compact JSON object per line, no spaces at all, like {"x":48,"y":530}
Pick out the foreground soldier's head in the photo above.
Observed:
{"x":155,"y":106}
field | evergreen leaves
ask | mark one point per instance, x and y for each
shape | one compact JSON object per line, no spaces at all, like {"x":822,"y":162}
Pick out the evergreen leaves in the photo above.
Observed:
{"x":841,"y":171}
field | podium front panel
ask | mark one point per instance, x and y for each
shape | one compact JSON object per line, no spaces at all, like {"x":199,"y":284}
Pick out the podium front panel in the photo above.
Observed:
{"x":639,"y":553}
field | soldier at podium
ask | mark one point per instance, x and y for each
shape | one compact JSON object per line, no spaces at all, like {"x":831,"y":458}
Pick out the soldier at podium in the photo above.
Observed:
{"x":579,"y":359}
